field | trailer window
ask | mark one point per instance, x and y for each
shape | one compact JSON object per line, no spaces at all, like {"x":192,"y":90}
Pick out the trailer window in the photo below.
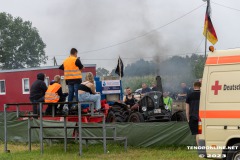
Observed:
{"x":46,"y":80}
{"x":25,"y":86}
{"x":2,"y":87}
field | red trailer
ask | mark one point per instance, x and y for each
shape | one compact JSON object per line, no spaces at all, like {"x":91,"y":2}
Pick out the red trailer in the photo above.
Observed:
{"x":15,"y":84}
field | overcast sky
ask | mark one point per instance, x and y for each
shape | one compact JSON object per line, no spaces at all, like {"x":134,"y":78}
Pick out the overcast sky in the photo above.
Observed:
{"x":93,"y":24}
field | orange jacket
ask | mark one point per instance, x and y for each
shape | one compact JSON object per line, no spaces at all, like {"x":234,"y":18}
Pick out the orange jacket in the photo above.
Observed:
{"x":51,"y":95}
{"x":71,"y":71}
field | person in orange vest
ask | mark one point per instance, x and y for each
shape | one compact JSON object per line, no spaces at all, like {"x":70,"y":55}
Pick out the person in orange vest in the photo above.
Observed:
{"x":54,"y":94}
{"x":72,"y":67}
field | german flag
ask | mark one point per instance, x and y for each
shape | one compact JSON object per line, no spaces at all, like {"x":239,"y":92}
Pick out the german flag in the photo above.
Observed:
{"x":209,"y":30}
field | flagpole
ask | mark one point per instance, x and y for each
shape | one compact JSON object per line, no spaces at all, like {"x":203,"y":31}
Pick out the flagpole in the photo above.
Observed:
{"x":206,"y":44}
{"x":208,"y":2}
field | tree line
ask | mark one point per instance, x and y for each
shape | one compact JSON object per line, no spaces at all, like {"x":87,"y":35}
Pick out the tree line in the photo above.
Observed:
{"x":188,"y":65}
{"x":173,"y":71}
{"x":20,"y":44}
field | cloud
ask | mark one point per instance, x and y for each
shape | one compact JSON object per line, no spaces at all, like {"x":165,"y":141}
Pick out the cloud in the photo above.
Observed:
{"x":92,"y":24}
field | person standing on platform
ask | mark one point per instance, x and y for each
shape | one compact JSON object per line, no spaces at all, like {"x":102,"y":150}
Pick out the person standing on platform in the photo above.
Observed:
{"x":72,"y":67}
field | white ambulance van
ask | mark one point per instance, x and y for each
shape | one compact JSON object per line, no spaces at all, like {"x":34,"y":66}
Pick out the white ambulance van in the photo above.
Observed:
{"x":219,"y":110}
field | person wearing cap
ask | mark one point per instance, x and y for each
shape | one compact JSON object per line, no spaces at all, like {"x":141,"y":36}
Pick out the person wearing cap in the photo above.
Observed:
{"x":72,"y":67}
{"x":37,"y":91}
{"x":54,"y":94}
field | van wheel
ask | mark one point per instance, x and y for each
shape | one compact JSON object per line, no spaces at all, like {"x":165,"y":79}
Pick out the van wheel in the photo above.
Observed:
{"x":234,"y":154}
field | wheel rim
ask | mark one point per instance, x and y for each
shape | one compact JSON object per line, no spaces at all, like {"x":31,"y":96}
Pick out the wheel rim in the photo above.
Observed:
{"x":237,"y":156}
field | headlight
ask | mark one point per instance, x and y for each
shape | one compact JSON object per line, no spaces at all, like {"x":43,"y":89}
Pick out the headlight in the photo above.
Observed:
{"x":166,"y":107}
{"x":144,"y":109}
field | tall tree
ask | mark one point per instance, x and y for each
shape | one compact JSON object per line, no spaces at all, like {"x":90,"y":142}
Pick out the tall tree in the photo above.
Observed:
{"x":102,"y":72}
{"x":198,"y":63}
{"x":20,"y":44}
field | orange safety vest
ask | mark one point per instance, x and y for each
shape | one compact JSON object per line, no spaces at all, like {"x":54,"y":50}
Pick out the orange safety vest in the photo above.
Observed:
{"x":71,"y":71}
{"x":51,"y":95}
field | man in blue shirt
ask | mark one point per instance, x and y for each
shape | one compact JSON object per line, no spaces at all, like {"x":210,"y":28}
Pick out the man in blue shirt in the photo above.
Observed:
{"x":145,"y":88}
{"x":185,"y":91}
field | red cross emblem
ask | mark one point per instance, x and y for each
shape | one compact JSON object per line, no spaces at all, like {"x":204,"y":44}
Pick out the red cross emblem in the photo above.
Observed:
{"x":216,"y":87}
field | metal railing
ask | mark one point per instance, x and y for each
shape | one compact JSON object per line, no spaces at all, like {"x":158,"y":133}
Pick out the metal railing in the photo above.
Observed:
{"x":65,"y":127}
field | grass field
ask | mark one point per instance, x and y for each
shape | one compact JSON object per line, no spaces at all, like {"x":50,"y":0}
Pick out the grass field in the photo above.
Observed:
{"x":95,"y":152}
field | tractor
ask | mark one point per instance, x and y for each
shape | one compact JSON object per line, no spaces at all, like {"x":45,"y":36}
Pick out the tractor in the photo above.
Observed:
{"x":149,"y":108}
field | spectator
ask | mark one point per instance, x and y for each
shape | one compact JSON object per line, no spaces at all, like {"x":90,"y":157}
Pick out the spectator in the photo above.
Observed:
{"x":72,"y":67}
{"x":54,"y":94}
{"x":185,"y":91}
{"x":129,"y":99}
{"x":37,"y":91}
{"x":86,"y":91}
{"x":192,"y":109}
{"x":167,"y":101}
{"x":145,"y":88}
{"x":154,"y":87}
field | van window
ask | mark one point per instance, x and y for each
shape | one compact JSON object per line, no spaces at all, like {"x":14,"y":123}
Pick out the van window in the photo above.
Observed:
{"x":2,"y":87}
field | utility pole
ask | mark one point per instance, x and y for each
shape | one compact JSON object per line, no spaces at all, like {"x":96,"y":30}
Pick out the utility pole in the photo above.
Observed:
{"x":54,"y":61}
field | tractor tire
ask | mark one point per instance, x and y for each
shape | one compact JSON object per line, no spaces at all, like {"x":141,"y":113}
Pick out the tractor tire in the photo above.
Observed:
{"x":136,"y":117}
{"x":110,"y":117}
{"x":125,"y":116}
{"x":118,"y":119}
{"x":113,"y":117}
{"x":179,"y":116}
